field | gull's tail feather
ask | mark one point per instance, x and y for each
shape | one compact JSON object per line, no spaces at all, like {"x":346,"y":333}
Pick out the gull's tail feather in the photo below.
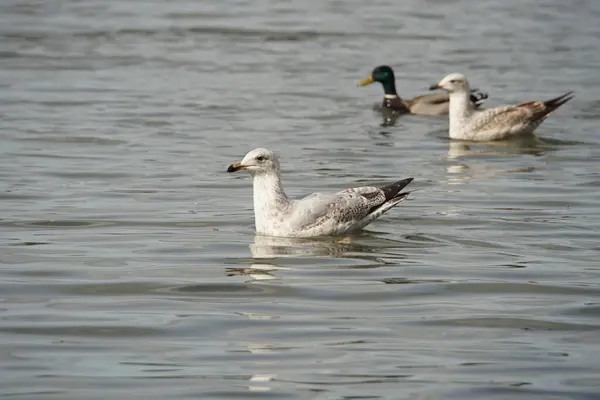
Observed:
{"x":542,"y":109}
{"x":392,"y":191}
{"x":556,"y":102}
{"x":393,"y":196}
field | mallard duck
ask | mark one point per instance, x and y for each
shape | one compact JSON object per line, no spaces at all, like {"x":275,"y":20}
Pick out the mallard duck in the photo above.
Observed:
{"x":428,"y":104}
{"x":504,"y":122}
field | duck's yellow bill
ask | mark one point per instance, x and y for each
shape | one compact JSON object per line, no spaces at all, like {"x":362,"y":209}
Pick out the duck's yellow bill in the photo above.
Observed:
{"x":367,"y":81}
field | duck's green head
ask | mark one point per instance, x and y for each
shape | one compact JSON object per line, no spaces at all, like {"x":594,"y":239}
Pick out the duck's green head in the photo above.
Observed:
{"x":384,"y":75}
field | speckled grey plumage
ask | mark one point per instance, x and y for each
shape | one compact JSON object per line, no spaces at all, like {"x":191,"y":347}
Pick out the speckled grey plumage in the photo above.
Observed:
{"x":317,"y":214}
{"x":504,"y":122}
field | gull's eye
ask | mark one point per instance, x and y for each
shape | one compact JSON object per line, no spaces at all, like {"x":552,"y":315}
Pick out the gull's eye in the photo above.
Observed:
{"x":261,"y":158}
{"x":453,"y":81}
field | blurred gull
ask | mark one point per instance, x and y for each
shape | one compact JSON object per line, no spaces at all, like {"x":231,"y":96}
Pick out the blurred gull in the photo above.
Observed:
{"x":317,"y":214}
{"x":504,"y":122}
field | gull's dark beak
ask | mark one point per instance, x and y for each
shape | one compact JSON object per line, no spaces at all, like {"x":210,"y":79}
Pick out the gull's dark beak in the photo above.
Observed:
{"x":236,"y":166}
{"x":367,"y":81}
{"x":434,"y":87}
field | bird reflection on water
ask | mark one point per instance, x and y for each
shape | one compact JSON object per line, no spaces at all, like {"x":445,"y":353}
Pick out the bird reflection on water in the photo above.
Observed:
{"x":267,"y":249}
{"x":459,"y":152}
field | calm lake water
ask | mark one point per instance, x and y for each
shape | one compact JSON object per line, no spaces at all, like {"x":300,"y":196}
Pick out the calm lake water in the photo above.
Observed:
{"x":129,"y":265}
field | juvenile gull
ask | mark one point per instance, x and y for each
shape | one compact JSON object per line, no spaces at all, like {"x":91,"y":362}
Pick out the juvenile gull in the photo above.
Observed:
{"x":504,"y":122}
{"x":317,"y":214}
{"x":427,"y":104}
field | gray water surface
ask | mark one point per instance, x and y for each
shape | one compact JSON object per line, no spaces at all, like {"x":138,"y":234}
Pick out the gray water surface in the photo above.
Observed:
{"x":129,"y":265}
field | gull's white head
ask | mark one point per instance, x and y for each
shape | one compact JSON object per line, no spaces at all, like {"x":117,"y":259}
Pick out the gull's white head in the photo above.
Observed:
{"x":258,"y":161}
{"x":453,"y":83}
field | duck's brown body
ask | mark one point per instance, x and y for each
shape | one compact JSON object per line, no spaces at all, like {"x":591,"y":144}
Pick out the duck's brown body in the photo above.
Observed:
{"x":436,"y":104}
